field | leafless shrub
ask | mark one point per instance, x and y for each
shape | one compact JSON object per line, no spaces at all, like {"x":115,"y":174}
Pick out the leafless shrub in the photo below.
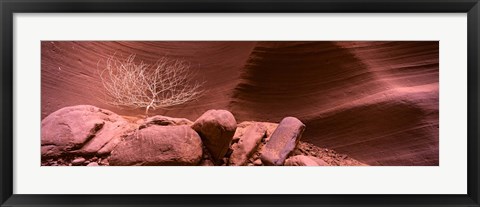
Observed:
{"x":166,"y":83}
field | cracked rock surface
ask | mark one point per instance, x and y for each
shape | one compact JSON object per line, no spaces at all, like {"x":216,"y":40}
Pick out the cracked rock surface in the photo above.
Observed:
{"x":82,"y":130}
{"x":89,"y":136}
{"x":159,"y":145}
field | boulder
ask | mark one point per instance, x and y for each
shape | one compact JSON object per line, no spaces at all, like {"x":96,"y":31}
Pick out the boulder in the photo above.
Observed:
{"x":247,"y":144}
{"x":78,"y":161}
{"x":165,"y":121}
{"x":282,"y":142}
{"x":159,"y":145}
{"x":216,"y":128}
{"x":302,"y":160}
{"x":82,"y":130}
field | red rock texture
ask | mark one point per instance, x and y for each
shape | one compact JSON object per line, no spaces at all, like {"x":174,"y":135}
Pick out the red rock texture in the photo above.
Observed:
{"x":162,"y":140}
{"x":69,"y":72}
{"x":377,"y":102}
{"x":82,"y":130}
{"x":246,"y":143}
{"x":216,"y":128}
{"x":302,"y":160}
{"x":283,"y":141}
{"x":158,"y":146}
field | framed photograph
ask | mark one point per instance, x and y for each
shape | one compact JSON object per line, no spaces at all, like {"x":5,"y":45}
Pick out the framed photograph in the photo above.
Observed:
{"x":239,"y":103}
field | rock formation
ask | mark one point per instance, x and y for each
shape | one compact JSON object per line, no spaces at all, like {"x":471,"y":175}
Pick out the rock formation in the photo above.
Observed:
{"x":162,"y":140}
{"x":216,"y":127}
{"x":164,"y":121}
{"x":82,"y":130}
{"x":282,"y":142}
{"x":159,"y":145}
{"x":247,"y":142}
{"x":302,"y":160}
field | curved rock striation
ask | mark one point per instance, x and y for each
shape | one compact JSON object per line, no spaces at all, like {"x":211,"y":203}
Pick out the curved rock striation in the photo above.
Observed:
{"x":375,"y":101}
{"x":70,"y":72}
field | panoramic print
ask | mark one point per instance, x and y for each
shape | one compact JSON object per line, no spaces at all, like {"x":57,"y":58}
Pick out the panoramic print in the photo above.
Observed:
{"x":240,"y":103}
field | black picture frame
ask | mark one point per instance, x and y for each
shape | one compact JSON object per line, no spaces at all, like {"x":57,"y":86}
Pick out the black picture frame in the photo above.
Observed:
{"x":9,"y":7}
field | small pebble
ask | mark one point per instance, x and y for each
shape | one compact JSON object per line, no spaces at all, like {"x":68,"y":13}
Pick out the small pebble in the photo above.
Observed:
{"x":78,"y":161}
{"x":104,"y":162}
{"x":257,"y":162}
{"x":92,"y":164}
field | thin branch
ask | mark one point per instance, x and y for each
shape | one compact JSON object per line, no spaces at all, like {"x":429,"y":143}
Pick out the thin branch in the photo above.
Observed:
{"x":164,"y":84}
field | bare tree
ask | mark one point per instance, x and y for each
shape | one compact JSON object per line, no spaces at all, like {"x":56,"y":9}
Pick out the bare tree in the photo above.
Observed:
{"x":139,"y":85}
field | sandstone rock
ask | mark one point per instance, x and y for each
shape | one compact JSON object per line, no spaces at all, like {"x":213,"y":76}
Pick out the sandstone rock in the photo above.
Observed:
{"x":159,"y":145}
{"x":81,"y":129}
{"x":247,"y":144}
{"x":78,"y":161}
{"x":283,"y":141}
{"x":257,"y":162}
{"x":92,"y":164}
{"x":206,"y":163}
{"x":319,"y":161}
{"x":216,"y":128}
{"x":165,"y":121}
{"x":104,"y":162}
{"x":302,"y":160}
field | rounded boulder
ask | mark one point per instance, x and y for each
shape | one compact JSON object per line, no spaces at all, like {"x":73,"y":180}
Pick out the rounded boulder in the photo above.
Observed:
{"x":159,"y":145}
{"x":216,"y":128}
